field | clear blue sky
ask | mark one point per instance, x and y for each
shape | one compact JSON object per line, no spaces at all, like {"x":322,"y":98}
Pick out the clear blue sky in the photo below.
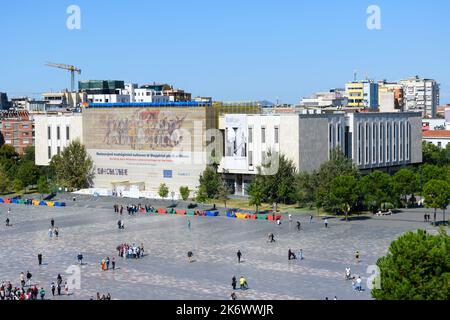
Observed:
{"x":230,"y":50}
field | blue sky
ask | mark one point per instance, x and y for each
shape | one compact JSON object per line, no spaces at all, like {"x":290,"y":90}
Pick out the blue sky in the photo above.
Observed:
{"x":231,"y":50}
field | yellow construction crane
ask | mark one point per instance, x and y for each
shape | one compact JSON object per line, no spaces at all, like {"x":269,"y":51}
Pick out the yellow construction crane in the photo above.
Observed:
{"x":70,"y":68}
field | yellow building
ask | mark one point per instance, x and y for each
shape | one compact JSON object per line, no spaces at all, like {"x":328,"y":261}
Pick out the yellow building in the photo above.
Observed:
{"x":355,"y":94}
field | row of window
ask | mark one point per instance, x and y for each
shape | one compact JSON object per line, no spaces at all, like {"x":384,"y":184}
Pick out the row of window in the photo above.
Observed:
{"x":263,"y":135}
{"x":58,"y":133}
{"x":18,"y":142}
{"x":58,"y":152}
{"x":385,"y":141}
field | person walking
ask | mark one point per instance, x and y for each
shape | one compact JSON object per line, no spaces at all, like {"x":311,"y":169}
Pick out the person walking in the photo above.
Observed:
{"x":233,"y":296}
{"x":347,"y":273}
{"x":190,"y":254}
{"x":310,"y":218}
{"x":53,"y":288}
{"x":243,"y":283}
{"x":52,"y":223}
{"x":29,"y":278}
{"x":326,"y":223}
{"x":7,"y":222}
{"x":239,"y":255}
{"x":233,"y":282}
{"x":50,"y":233}
{"x":56,"y":232}
{"x":357,"y":256}
{"x":58,"y":288}
{"x":40,"y":258}
{"x":80,"y":258}
{"x":107,"y":263}
{"x":22,"y":279}
{"x":66,"y":288}
{"x":59,"y":279}
{"x":42,"y":293}
{"x":300,"y":254}
{"x":299,"y":225}
{"x":189,"y":224}
{"x":113,"y":262}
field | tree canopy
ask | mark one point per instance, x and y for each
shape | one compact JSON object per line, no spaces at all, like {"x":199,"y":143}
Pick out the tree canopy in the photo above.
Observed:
{"x":416,"y":267}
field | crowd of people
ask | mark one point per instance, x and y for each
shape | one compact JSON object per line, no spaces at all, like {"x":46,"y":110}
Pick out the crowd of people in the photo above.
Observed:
{"x":8,"y":292}
{"x":132,"y":209}
{"x":130,"y":251}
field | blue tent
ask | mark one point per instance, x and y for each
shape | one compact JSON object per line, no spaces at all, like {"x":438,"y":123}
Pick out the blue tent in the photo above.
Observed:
{"x":212,"y":213}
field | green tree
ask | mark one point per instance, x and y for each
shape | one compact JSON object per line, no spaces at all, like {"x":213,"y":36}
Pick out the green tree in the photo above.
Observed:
{"x":430,"y":172}
{"x":376,"y":189}
{"x":163,"y":190}
{"x":29,"y":154}
{"x":9,"y":160}
{"x":256,"y":193}
{"x":42,"y":185}
{"x":416,"y":267}
{"x":344,"y":193}
{"x":405,"y":183}
{"x":278,"y":185}
{"x":437,"y":195}
{"x":305,"y":186}
{"x":27,"y":173}
{"x":210,"y":180}
{"x":74,"y":167}
{"x":17,"y":185}
{"x":5,"y":183}
{"x":184,"y":192}
{"x":201,"y":196}
{"x":224,"y":193}
{"x":338,"y":165}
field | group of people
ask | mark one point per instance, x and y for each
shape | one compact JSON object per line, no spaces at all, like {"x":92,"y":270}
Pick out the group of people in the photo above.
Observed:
{"x":243,"y":285}
{"x":106,"y":262}
{"x":426,"y":217}
{"x":8,"y":292}
{"x":130,"y":251}
{"x":103,"y":297}
{"x":132,"y":209}
{"x":53,"y":230}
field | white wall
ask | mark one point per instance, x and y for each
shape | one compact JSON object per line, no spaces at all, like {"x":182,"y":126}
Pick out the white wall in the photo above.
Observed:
{"x":42,"y":122}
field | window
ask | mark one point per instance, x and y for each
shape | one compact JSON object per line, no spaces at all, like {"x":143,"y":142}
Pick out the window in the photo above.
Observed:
{"x":394,"y":143}
{"x":408,"y":137}
{"x":439,"y":144}
{"x":26,"y":141}
{"x":374,"y":142}
{"x":67,"y":133}
{"x":359,"y":145}
{"x":250,"y":158}
{"x":381,"y":143}
{"x":276,"y":135}
{"x":49,"y":133}
{"x":26,"y":126}
{"x":339,"y":134}
{"x":367,"y":136}
{"x":263,"y":135}
{"x":250,"y":135}
{"x":388,"y":142}
{"x":49,"y":152}
{"x":58,"y":132}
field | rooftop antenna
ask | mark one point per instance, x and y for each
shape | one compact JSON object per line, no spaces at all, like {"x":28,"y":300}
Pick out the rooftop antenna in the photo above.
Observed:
{"x":355,"y":75}
{"x":367,"y":76}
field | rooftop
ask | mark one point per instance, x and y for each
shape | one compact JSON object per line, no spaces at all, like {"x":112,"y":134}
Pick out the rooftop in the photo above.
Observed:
{"x":437,"y":134}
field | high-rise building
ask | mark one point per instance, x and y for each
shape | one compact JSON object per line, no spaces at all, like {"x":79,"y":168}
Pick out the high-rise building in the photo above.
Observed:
{"x":16,"y":129}
{"x":4,"y":104}
{"x":421,"y":95}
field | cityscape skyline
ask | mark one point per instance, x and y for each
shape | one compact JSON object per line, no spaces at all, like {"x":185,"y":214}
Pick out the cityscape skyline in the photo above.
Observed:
{"x":227,"y":52}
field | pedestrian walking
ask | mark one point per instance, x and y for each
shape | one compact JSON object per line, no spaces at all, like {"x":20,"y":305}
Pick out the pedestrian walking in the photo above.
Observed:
{"x":233,"y":296}
{"x":243,"y":283}
{"x":299,"y":225}
{"x":300,"y":254}
{"x":58,"y":288}
{"x":233,"y":282}
{"x":310,"y":218}
{"x":53,"y":287}
{"x":22,"y":279}
{"x":107,"y":263}
{"x":113,"y":262}
{"x":80,"y":258}
{"x":239,"y":255}
{"x":56,"y":232}
{"x":50,"y":233}
{"x":326,"y":223}
{"x":189,"y":224}
{"x":42,"y":293}
{"x":52,"y":223}
{"x":7,"y":222}
{"x":190,"y":254}
{"x":29,"y":276}
{"x":66,"y":288}
{"x":357,"y":256}
{"x":347,"y":273}
{"x":40,"y":258}
{"x":290,"y":217}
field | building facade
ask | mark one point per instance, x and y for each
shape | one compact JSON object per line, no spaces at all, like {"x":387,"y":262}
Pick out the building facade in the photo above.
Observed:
{"x":374,"y":141}
{"x":16,"y":129}
{"x":440,"y":138}
{"x":362,"y":94}
{"x":4,"y":103}
{"x":421,"y":95}
{"x":54,"y":132}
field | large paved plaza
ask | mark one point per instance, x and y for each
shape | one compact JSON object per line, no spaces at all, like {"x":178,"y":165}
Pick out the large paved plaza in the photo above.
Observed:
{"x":89,"y":225}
